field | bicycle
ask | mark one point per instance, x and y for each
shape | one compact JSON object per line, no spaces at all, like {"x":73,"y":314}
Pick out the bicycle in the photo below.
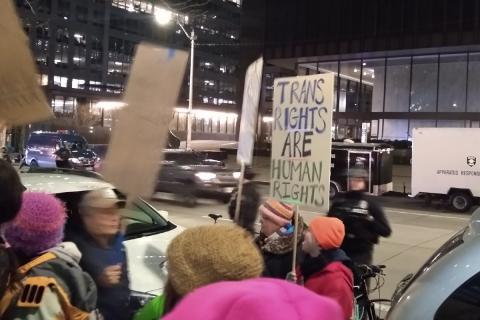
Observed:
{"x":366,"y":308}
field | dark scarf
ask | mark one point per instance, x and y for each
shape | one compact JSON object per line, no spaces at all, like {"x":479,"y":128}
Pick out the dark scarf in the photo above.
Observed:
{"x":311,"y":265}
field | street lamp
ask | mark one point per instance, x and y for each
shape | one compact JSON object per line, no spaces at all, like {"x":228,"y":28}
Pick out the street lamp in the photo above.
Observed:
{"x":164,"y":17}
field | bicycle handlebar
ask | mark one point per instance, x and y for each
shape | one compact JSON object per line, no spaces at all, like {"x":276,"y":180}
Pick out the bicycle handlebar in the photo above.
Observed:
{"x":371,"y":271}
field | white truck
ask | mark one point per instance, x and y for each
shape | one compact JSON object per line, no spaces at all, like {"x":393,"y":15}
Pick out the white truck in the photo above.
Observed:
{"x":446,"y":164}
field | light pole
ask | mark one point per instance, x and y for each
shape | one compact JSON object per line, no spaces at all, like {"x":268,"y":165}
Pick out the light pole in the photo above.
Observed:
{"x":164,"y":17}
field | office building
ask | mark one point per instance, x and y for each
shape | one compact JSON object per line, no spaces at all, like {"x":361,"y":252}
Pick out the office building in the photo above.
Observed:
{"x":398,"y":65}
{"x":84,"y":50}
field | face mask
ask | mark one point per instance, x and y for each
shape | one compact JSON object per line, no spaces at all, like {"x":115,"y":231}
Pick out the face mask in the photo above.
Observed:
{"x":286,"y":230}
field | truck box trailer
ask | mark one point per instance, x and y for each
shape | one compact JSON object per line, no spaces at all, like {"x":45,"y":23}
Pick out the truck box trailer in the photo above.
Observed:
{"x":444,"y":165}
{"x":376,"y":158}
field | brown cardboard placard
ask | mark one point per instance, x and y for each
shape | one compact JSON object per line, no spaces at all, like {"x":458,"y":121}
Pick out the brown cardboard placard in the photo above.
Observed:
{"x":135,"y":153}
{"x":22,"y":100}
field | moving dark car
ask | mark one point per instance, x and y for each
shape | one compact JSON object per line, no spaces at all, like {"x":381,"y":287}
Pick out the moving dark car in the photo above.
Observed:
{"x":189,"y":175}
{"x":42,"y":150}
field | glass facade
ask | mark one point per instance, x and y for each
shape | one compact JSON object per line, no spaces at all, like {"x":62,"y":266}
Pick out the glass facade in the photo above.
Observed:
{"x":394,"y":95}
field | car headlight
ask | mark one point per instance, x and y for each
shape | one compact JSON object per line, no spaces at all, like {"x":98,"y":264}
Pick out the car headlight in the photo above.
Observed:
{"x":75,"y":160}
{"x":236,"y":175}
{"x":139,"y":299}
{"x":206,"y":176}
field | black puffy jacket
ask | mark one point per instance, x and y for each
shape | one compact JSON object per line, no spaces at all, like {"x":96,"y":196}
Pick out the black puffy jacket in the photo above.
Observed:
{"x":364,"y":222}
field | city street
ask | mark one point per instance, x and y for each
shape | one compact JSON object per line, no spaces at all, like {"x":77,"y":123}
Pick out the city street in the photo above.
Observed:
{"x":417,"y":232}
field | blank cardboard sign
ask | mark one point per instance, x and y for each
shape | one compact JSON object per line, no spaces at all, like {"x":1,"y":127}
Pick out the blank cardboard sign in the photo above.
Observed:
{"x":22,"y":100}
{"x":135,"y":153}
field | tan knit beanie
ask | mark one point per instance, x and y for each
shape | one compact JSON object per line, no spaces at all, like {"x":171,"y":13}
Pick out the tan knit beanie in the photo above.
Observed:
{"x":208,"y":254}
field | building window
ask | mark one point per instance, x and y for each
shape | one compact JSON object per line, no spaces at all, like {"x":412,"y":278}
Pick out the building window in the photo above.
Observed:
{"x":63,"y":9}
{"x":60,"y":81}
{"x":78,"y":83}
{"x":397,"y":87}
{"x":79,"y":57}
{"x":96,"y":57}
{"x":95,"y":86}
{"x":395,"y":129}
{"x":453,"y":83}
{"x":43,"y":79}
{"x":415,"y":124}
{"x":424,"y":84}
{"x":64,"y":106}
{"x":82,"y":14}
{"x":451,"y":124}
{"x":61,"y":55}
{"x":473,"y":97}
{"x":114,"y":88}
{"x":374,"y":84}
{"x":350,"y":74}
{"x":326,"y":67}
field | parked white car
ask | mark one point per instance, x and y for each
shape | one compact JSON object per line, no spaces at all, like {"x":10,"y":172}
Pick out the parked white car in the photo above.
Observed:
{"x":148,"y":231}
{"x":448,"y":284}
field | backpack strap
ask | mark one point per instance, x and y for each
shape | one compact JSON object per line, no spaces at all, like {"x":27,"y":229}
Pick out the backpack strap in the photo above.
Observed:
{"x":17,"y":287}
{"x":35,"y":262}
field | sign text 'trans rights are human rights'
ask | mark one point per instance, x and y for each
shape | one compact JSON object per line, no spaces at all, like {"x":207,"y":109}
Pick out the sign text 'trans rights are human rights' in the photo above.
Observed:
{"x":301,"y":140}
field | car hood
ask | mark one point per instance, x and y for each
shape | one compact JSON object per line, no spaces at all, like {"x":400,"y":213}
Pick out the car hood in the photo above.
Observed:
{"x":85,"y":153}
{"x":146,"y":261}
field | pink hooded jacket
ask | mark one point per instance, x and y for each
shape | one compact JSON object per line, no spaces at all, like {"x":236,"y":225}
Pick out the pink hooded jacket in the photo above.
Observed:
{"x":256,"y":299}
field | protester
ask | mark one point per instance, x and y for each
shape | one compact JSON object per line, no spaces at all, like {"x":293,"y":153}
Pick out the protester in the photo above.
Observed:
{"x":326,"y":269}
{"x":276,"y":237}
{"x":204,"y":255}
{"x":364,"y":220}
{"x":255,"y":299}
{"x":11,"y":190}
{"x":248,"y":205}
{"x":50,"y":283}
{"x":104,"y":256}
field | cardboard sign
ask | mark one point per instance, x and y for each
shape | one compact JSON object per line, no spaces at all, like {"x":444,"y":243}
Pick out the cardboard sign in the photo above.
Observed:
{"x":248,"y":124}
{"x":135,"y":153}
{"x":301,"y":140}
{"x":22,"y":100}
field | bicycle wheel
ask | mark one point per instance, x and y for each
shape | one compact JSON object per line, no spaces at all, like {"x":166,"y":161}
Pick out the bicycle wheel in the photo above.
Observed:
{"x":381,"y":307}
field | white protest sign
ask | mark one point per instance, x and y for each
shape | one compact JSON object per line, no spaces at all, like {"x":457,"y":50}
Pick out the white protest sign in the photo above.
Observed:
{"x":142,"y":128}
{"x":301,"y":140}
{"x":248,"y":124}
{"x":22,"y":100}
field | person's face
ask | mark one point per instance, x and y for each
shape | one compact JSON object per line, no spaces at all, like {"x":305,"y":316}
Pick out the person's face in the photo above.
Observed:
{"x":102,"y":221}
{"x":268,"y":227}
{"x":310,"y":244}
{"x":357,"y":184}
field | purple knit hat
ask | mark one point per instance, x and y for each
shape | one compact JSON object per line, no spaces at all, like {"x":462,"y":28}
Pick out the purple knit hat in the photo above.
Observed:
{"x":39,"y":224}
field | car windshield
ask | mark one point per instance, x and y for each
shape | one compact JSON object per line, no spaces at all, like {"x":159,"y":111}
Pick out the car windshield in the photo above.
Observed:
{"x":43,"y":140}
{"x":140,"y":218}
{"x":74,"y":142}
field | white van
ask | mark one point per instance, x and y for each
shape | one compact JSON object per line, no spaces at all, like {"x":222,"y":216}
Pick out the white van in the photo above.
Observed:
{"x":446,"y":164}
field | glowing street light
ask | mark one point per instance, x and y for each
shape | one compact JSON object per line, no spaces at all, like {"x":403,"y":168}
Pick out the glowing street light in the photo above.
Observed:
{"x":163,"y":17}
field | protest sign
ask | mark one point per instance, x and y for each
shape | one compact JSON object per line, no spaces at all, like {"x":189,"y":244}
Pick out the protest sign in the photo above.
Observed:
{"x":22,"y":100}
{"x":142,"y":128}
{"x":301,"y":140}
{"x":248,"y":124}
